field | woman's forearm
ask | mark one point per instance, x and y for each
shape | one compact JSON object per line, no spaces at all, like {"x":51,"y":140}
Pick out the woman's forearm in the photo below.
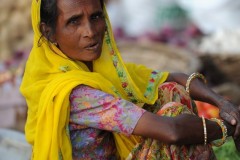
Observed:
{"x":182,"y":130}
{"x":198,"y":90}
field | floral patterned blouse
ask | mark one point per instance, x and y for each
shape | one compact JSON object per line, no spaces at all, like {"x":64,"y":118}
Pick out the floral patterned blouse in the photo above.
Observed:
{"x":94,"y":115}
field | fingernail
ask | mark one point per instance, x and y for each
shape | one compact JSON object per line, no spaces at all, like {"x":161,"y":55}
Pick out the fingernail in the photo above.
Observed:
{"x":233,"y":122}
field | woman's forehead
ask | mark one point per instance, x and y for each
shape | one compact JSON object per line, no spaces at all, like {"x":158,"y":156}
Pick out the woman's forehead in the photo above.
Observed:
{"x":68,"y":5}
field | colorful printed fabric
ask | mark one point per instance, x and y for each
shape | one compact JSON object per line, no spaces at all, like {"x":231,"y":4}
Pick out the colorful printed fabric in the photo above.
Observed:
{"x":173,"y":100}
{"x":95,"y":113}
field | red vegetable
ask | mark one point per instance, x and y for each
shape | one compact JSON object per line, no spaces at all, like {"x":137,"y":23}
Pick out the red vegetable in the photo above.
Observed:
{"x":207,"y":110}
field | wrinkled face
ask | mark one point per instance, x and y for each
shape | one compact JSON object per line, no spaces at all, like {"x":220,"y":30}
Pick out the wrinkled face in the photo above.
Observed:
{"x":80,"y":29}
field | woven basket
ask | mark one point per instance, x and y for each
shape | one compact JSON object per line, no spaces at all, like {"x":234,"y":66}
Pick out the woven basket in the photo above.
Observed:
{"x":227,"y":64}
{"x":159,"y":56}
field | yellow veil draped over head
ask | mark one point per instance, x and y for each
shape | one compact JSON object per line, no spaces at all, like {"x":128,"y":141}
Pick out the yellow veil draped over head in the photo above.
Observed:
{"x":50,"y":76}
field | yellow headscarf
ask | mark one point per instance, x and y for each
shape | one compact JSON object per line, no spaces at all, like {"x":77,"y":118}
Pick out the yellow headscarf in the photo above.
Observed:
{"x":50,"y":77}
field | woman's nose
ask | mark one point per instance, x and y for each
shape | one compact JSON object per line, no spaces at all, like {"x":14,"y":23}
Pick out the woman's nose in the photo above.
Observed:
{"x":89,"y":30}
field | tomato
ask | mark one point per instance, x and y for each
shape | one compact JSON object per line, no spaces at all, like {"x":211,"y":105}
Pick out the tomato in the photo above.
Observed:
{"x":207,"y":110}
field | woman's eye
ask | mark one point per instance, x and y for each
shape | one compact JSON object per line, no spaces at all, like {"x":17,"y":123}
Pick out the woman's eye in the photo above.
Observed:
{"x":73,"y":21}
{"x":97,"y":16}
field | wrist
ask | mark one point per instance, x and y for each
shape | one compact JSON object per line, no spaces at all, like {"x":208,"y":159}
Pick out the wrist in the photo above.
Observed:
{"x":222,"y":103}
{"x":224,"y":131}
{"x":230,"y":128}
{"x":214,"y":130}
{"x":216,"y":99}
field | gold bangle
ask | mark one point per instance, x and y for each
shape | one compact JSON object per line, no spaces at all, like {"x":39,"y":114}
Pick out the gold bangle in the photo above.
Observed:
{"x":204,"y":130}
{"x":192,"y":77}
{"x":221,"y":141}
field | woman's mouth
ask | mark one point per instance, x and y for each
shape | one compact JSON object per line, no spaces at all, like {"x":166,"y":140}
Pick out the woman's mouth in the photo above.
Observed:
{"x":92,"y":47}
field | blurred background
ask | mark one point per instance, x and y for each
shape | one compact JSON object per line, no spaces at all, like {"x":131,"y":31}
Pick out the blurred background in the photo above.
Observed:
{"x":167,"y":35}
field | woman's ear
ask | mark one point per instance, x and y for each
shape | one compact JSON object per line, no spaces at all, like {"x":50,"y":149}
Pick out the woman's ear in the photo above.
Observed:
{"x":47,"y":32}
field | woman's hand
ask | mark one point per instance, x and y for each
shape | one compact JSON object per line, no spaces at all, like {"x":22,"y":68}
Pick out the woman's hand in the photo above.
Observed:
{"x":203,"y":153}
{"x":230,"y":113}
{"x":200,"y":91}
{"x":231,"y":130}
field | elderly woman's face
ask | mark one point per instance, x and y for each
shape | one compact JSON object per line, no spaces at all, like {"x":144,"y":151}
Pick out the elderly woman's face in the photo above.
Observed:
{"x":80,"y":29}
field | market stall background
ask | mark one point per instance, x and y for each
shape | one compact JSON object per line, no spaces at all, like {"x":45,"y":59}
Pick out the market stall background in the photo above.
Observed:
{"x":167,"y":35}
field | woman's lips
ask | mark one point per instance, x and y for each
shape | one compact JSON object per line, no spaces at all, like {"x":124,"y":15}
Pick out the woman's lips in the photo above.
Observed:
{"x":92,"y":47}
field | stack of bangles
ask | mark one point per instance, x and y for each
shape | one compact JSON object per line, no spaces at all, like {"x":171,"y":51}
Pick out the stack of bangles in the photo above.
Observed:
{"x":219,"y":142}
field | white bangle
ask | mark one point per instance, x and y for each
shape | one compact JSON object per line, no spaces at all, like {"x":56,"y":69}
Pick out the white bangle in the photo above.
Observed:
{"x":204,"y":130}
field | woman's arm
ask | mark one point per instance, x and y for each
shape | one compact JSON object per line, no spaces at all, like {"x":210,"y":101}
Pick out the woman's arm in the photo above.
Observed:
{"x":103,"y":111}
{"x":200,"y":91}
{"x":182,"y":130}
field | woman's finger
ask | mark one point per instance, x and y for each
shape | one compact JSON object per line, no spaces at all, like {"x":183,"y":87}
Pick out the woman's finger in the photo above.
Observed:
{"x":203,"y":156}
{"x":230,"y":112}
{"x":236,"y":115}
{"x":229,"y":118}
{"x":237,"y":131}
{"x":201,"y":152}
{"x":237,"y":112}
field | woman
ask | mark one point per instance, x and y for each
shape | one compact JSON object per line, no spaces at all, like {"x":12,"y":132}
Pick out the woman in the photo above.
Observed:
{"x":85,"y":103}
